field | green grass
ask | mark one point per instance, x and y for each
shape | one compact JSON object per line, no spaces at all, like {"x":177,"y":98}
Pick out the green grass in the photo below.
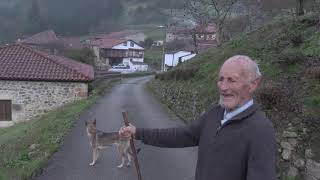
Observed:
{"x":18,"y":160}
{"x":153,"y":57}
{"x":150,"y":30}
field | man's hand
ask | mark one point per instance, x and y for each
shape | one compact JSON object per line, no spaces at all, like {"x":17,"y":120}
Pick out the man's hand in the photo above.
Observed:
{"x":127,"y":131}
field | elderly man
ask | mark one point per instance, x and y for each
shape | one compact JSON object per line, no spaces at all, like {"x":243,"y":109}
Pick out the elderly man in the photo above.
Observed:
{"x":236,"y":141}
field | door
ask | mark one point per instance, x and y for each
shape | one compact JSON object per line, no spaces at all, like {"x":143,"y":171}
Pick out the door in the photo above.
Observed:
{"x":5,"y":110}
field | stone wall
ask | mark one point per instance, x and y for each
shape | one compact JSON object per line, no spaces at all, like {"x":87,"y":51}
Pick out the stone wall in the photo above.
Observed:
{"x":31,"y":98}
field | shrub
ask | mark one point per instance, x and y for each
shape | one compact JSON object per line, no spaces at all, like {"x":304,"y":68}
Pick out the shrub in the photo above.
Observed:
{"x":178,"y":74}
{"x":291,"y":57}
{"x":270,"y":95}
{"x":313,"y":72}
{"x":295,"y":37}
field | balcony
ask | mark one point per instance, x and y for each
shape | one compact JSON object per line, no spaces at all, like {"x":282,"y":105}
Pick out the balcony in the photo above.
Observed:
{"x":116,"y":53}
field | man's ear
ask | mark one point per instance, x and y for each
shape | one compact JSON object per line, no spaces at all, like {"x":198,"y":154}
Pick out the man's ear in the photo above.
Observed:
{"x":254,"y":85}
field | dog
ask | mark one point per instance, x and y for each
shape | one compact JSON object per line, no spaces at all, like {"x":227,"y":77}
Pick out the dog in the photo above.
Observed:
{"x":100,"y":140}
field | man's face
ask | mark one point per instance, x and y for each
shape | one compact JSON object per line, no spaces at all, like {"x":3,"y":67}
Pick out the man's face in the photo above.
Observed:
{"x":235,"y":86}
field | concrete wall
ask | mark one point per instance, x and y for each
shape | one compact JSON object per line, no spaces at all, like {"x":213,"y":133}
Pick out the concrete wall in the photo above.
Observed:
{"x":30,"y":99}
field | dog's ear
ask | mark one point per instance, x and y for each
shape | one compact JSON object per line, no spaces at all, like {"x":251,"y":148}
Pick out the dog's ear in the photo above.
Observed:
{"x":86,"y":123}
{"x":94,"y":122}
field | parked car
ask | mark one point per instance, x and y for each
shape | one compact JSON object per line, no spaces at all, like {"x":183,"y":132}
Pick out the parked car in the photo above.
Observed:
{"x":123,"y":69}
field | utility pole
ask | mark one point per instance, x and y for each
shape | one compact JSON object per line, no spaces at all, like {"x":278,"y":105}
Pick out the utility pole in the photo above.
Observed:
{"x":163,"y":48}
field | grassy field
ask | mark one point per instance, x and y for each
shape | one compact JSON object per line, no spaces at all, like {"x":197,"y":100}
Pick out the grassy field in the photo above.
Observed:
{"x":26,"y":147}
{"x":153,"y":57}
{"x":150,"y":30}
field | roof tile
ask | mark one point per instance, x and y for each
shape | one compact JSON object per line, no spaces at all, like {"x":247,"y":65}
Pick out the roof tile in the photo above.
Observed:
{"x":19,"y":62}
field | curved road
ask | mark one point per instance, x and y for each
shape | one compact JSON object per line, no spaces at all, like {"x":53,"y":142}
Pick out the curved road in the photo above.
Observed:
{"x":71,"y":162}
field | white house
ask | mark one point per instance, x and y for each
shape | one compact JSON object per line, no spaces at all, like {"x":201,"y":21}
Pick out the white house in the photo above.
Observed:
{"x":172,"y":58}
{"x":110,"y":52}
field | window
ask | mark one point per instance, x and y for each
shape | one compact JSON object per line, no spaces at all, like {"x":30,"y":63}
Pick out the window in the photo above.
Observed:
{"x":131,"y":44}
{"x":5,"y":110}
{"x":125,"y":43}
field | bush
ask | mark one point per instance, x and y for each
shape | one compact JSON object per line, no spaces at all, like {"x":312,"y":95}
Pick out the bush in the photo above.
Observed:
{"x":147,"y":43}
{"x":270,"y":96}
{"x":178,"y":74}
{"x":296,"y":37}
{"x":313,"y":72}
{"x":291,"y":57}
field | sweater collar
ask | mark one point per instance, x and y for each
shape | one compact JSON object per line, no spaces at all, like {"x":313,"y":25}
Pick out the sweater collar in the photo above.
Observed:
{"x":249,"y":111}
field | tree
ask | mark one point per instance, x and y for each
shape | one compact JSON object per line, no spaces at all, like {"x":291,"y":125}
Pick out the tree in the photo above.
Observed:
{"x":206,"y":11}
{"x":148,"y":42}
{"x":299,"y":9}
{"x":85,"y":55}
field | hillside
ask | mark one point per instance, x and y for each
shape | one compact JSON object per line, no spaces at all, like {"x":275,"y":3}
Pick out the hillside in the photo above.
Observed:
{"x":20,"y":18}
{"x":288,"y":54}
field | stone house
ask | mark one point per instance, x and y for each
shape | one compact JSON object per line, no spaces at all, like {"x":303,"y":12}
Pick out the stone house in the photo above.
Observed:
{"x":34,"y":82}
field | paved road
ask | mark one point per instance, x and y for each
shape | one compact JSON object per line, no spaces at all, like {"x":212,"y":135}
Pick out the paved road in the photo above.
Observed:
{"x":71,"y":162}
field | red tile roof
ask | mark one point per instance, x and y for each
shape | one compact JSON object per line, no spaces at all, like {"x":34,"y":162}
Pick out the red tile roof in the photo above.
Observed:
{"x":19,"y":62}
{"x":44,"y":37}
{"x":107,"y":42}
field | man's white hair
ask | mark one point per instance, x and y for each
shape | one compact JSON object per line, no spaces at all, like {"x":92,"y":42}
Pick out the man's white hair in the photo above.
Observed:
{"x":251,"y":65}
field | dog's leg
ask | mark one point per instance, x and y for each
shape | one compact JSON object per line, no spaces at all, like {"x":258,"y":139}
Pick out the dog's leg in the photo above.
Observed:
{"x":123,"y":159}
{"x":122,"y":155}
{"x":129,"y":157}
{"x":94,"y":156}
{"x":97,"y":154}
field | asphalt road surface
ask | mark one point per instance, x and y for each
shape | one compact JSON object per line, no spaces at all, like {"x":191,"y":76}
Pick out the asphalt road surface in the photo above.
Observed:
{"x":71,"y":162}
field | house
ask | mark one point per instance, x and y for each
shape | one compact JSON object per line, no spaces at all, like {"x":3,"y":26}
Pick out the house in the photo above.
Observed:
{"x":48,"y":40}
{"x":158,"y":43}
{"x":134,"y":35}
{"x":110,"y":52}
{"x":33,"y":82}
{"x":42,"y":38}
{"x":172,"y":59}
{"x":205,"y":32}
{"x":178,"y":33}
{"x":204,"y":37}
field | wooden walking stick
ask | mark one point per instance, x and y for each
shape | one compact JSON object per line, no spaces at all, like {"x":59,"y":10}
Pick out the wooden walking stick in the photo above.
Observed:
{"x":133,"y":148}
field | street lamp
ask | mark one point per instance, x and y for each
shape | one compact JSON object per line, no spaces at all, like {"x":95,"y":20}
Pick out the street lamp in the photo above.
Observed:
{"x":163,"y":47}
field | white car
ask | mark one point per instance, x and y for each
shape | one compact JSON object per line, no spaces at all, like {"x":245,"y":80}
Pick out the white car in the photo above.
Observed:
{"x":123,"y":69}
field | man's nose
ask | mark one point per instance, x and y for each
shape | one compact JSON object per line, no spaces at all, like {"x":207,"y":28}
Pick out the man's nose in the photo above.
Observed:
{"x":223,"y":85}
